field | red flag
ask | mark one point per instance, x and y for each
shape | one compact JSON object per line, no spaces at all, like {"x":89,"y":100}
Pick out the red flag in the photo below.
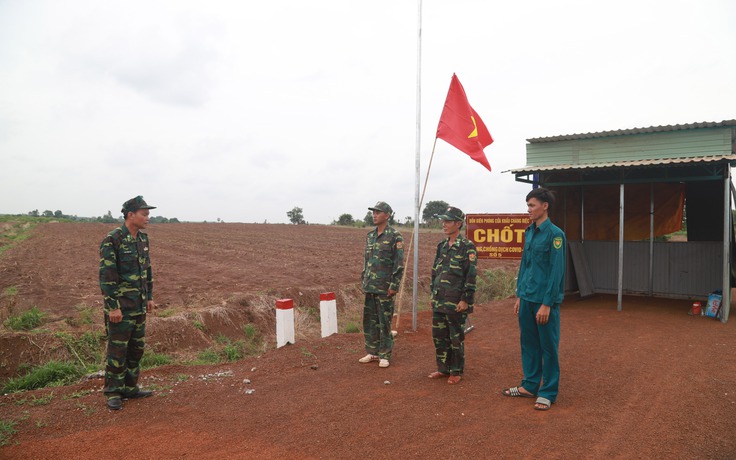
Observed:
{"x":461,"y":126}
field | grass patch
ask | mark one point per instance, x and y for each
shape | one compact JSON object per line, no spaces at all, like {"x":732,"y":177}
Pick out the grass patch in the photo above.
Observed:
{"x":495,"y":284}
{"x":198,"y":325}
{"x":166,"y":313}
{"x":233,"y":351}
{"x":352,"y":328}
{"x":208,"y":356}
{"x":10,"y":291}
{"x":7,"y":430}
{"x":152,"y":359}
{"x":53,"y":373}
{"x":87,"y":348}
{"x":85,"y":316}
{"x":26,"y":321}
{"x":229,"y":350}
{"x":42,"y":401}
{"x":250,"y":331}
{"x":88,"y":410}
{"x":17,"y":230}
{"x":77,"y":394}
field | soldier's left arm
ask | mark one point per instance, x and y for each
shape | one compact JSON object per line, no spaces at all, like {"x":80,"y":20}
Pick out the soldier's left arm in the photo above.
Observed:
{"x":149,"y":279}
{"x":398,"y":263}
{"x":469,"y":270}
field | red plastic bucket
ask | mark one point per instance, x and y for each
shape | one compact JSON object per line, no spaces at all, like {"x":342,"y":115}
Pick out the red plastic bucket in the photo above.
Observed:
{"x":696,"y":308}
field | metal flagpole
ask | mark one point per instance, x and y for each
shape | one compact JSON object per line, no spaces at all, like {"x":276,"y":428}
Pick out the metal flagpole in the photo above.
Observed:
{"x":417,"y":161}
{"x":400,"y":297}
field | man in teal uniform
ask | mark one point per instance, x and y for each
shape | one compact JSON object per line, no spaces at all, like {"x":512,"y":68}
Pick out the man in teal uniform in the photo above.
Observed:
{"x":540,"y":288}
{"x":126,"y":282}
{"x":383,"y":265}
{"x":453,"y":294}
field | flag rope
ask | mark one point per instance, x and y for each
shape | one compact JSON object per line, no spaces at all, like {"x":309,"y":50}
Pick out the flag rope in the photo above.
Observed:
{"x":407,"y":256}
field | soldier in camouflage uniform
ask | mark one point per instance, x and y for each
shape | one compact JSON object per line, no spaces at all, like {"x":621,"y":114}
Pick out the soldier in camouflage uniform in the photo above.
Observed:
{"x":382,"y":269}
{"x":127,"y":286}
{"x":453,"y":292}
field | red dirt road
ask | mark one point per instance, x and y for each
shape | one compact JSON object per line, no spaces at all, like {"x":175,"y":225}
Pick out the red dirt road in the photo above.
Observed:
{"x":647,"y":382}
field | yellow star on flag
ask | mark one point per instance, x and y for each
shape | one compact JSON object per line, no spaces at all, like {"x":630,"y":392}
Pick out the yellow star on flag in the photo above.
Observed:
{"x":475,"y":128}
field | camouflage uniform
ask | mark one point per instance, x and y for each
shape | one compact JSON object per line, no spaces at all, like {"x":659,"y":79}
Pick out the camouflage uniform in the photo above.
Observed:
{"x":382,"y":270}
{"x":453,"y":280}
{"x":126,"y":282}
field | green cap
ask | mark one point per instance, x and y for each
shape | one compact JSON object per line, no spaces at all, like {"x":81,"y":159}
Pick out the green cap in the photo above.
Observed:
{"x":452,"y":214}
{"x":382,"y":206}
{"x":134,"y":204}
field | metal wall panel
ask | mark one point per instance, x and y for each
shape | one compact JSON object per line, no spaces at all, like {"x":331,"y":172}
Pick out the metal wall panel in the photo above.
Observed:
{"x":680,"y":270}
{"x":673,"y":144}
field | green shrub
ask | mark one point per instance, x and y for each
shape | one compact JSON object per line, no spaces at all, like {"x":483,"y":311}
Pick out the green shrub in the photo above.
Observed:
{"x":250,"y":331}
{"x":233,"y":351}
{"x":53,"y":373}
{"x":253,"y":340}
{"x":25,"y":321}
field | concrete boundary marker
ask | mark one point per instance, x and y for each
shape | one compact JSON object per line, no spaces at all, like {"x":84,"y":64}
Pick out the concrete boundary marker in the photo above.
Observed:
{"x":328,"y":313}
{"x":284,"y":322}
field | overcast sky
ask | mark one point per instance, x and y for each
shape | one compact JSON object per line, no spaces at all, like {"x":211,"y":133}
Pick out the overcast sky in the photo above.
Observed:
{"x":243,"y":110}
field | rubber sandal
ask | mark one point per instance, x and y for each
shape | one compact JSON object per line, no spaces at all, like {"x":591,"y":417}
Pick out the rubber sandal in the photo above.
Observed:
{"x":543,"y":402}
{"x":514,"y":392}
{"x":454,"y":379}
{"x":437,"y":375}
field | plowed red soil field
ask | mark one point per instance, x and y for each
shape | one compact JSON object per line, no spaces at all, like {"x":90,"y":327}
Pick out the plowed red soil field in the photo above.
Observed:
{"x":647,"y":382}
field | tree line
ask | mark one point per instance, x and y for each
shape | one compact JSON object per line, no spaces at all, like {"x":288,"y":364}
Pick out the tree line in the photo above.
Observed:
{"x":429,"y":217}
{"x":107,"y":218}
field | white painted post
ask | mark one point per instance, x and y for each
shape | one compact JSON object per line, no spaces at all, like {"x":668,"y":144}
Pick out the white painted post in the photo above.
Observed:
{"x":328,"y":313}
{"x":284,"y":322}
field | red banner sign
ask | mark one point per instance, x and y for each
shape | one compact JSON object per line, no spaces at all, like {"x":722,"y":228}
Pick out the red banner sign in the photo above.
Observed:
{"x":498,"y":236}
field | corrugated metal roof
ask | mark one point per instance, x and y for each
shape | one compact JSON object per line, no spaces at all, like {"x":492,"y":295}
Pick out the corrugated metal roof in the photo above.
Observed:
{"x":625,"y":132}
{"x":624,"y":164}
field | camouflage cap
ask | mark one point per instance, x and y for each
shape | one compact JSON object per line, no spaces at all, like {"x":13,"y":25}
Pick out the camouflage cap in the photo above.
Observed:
{"x":382,"y":206}
{"x":452,"y":214}
{"x":134,"y":204}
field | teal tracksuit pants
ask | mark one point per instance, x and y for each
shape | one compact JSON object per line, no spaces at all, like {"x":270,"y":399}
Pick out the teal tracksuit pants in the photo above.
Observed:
{"x":539,"y":346}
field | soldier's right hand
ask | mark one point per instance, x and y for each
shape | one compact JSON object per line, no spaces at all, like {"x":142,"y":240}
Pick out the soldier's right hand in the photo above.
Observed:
{"x":516,"y":306}
{"x":115,"y":316}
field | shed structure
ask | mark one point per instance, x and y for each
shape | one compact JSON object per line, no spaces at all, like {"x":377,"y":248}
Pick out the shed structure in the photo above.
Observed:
{"x":618,"y":191}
